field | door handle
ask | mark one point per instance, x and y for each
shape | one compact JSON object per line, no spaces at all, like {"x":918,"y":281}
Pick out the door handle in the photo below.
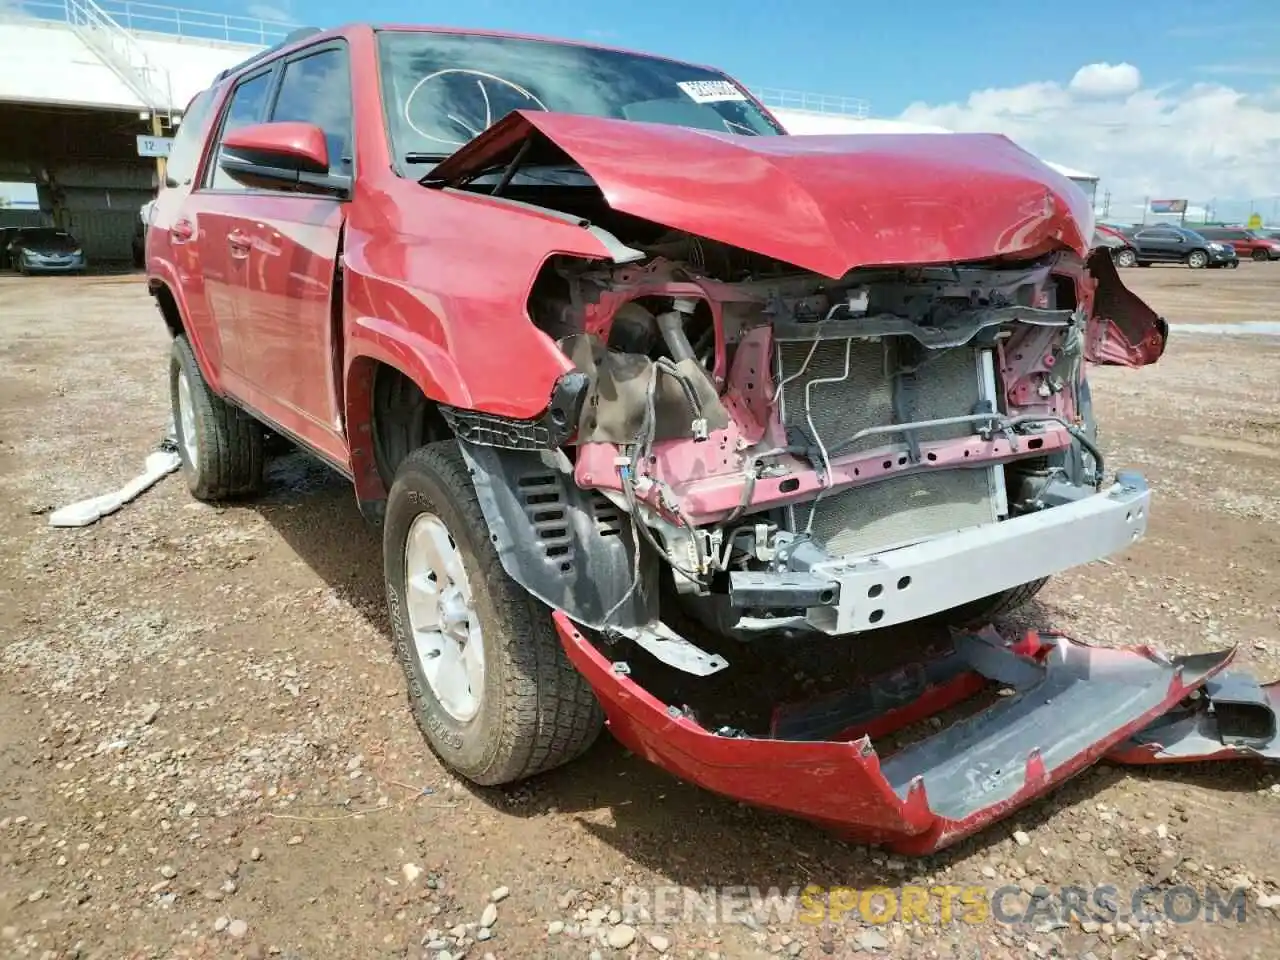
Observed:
{"x":239,"y":243}
{"x":182,"y":231}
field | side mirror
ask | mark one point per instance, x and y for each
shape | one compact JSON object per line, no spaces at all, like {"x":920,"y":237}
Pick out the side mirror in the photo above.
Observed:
{"x":281,"y":155}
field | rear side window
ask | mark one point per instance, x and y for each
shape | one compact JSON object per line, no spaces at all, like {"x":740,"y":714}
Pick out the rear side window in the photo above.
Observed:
{"x":184,"y":155}
{"x":248,"y":105}
{"x":317,"y":89}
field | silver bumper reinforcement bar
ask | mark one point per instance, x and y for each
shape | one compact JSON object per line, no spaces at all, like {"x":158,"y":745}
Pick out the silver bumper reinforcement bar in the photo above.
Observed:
{"x":842,"y":595}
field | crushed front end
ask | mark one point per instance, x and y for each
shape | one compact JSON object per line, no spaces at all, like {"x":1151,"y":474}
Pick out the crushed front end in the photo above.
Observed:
{"x":791,"y":454}
{"x":750,"y":459}
{"x":743,"y":461}
{"x":787,"y":412}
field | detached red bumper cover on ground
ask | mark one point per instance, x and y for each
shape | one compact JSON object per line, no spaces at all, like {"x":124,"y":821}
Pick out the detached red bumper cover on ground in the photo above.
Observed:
{"x":1065,"y":705}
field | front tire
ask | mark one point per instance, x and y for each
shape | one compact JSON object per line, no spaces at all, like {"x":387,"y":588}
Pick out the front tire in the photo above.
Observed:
{"x":980,"y":612}
{"x":1197,"y":259}
{"x":220,"y":445}
{"x":489,"y":683}
{"x":1126,"y":258}
{"x":1260,"y":256}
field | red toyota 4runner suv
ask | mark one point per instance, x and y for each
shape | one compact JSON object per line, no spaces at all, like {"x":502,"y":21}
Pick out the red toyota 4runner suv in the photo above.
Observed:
{"x":629,"y":378}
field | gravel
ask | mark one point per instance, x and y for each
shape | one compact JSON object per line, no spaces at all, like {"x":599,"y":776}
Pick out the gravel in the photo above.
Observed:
{"x":872,"y":940}
{"x":186,"y":689}
{"x":621,"y":936}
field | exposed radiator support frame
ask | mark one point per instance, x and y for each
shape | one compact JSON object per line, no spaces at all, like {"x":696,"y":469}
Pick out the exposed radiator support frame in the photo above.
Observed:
{"x":860,"y":389}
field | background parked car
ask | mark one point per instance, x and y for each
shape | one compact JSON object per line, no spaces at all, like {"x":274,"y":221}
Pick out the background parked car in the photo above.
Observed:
{"x":1170,"y":243}
{"x":1253,"y":244}
{"x":46,"y":250}
{"x":1121,"y":247}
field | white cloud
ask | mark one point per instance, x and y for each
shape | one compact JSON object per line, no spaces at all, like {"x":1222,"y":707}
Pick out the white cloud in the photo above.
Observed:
{"x":276,"y":13}
{"x":1243,"y":68}
{"x":1202,"y":141}
{"x":1105,"y":80}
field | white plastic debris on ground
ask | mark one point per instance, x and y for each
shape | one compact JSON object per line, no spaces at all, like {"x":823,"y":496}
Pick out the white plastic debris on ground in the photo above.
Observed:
{"x":158,"y":465}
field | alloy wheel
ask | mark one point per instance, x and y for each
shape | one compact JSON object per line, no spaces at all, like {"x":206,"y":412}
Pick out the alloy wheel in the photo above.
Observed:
{"x":187,"y":416}
{"x":445,"y":625}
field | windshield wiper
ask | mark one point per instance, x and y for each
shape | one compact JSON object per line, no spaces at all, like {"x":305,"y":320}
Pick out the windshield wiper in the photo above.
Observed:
{"x":415,"y":157}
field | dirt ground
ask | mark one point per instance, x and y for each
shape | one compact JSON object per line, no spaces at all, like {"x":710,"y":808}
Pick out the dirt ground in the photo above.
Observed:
{"x":205,"y":748}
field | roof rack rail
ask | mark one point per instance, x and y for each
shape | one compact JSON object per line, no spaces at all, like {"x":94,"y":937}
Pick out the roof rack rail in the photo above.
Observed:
{"x":292,"y":37}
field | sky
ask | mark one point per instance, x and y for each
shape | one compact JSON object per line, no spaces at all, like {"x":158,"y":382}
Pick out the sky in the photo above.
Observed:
{"x":1168,"y":99}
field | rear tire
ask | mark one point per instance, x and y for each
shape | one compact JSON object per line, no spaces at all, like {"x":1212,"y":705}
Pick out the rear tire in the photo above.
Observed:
{"x":220,"y":445}
{"x":524,"y":708}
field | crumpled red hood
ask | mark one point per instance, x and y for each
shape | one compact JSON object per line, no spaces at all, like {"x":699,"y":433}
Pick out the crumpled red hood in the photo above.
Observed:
{"x":823,"y":203}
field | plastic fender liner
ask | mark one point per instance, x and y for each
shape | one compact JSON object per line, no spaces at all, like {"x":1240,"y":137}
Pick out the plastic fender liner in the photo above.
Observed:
{"x":571,"y":548}
{"x":1123,"y":330}
{"x":1084,"y":700}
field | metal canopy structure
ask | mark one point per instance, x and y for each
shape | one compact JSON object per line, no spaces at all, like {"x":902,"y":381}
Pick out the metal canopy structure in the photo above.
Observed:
{"x":80,"y":83}
{"x":83,"y":80}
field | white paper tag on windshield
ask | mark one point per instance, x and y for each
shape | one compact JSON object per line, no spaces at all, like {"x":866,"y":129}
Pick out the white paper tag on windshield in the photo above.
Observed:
{"x":711,"y":91}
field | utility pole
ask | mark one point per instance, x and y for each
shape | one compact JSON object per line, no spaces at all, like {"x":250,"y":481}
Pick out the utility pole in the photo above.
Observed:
{"x":157,"y":129}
